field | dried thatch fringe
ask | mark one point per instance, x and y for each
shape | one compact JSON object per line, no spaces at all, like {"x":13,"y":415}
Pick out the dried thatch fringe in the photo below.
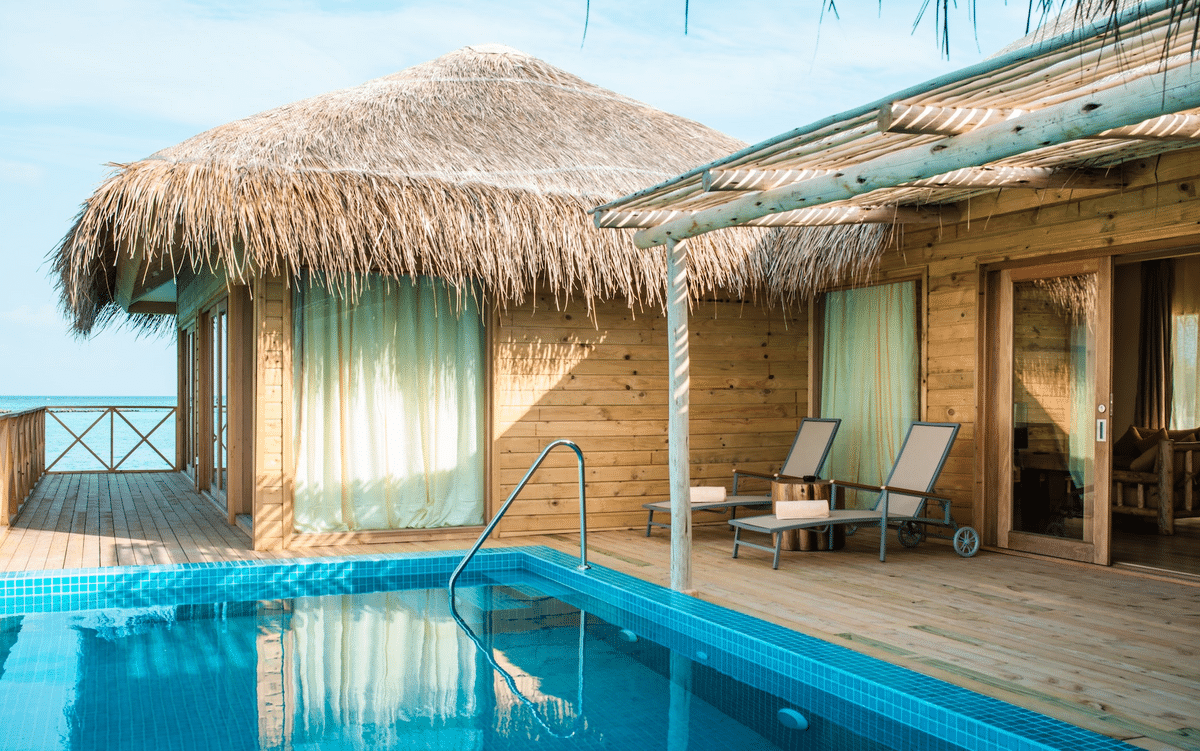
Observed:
{"x":478,"y":167}
{"x":1074,"y":296}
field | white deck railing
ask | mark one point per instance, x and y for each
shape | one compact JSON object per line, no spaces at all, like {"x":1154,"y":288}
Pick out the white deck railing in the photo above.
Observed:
{"x":107,"y":438}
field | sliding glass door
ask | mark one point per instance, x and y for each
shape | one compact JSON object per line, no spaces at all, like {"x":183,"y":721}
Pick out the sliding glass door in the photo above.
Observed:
{"x":1053,"y":409}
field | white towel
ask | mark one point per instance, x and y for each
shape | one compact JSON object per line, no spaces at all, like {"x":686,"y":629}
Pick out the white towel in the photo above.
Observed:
{"x":707,"y":494}
{"x":802,"y":509}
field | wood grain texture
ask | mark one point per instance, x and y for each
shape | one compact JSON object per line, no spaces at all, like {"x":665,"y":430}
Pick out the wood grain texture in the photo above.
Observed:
{"x":601,"y":380}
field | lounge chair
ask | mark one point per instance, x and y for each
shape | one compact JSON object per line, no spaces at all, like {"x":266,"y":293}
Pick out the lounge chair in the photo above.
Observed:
{"x":805,"y":459}
{"x":902,"y":500}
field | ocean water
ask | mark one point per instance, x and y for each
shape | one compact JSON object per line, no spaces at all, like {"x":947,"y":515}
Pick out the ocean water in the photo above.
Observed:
{"x":107,"y":438}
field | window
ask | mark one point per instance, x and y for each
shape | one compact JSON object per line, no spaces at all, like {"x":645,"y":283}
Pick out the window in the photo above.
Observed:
{"x":869,"y":376}
{"x":1185,"y":344}
{"x":389,"y":407}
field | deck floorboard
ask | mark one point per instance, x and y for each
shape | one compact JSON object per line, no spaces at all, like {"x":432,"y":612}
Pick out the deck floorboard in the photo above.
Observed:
{"x":1113,"y":650}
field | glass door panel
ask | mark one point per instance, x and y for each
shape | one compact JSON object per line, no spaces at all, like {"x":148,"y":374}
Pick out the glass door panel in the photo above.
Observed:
{"x":1053,"y":408}
{"x":1054,"y":360}
{"x":187,"y":410}
{"x":219,"y":320}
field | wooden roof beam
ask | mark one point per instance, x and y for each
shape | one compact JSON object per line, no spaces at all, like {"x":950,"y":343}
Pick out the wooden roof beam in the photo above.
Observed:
{"x":927,"y":120}
{"x":1024,"y":177}
{"x":918,"y":119}
{"x":825,"y":216}
{"x":971,"y":177}
{"x":755,"y":179}
{"x":1175,"y":90}
{"x":634,"y":218}
{"x":1176,"y":127}
{"x":816,"y":217}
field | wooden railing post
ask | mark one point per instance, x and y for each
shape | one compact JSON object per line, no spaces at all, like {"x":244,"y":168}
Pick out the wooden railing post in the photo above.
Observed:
{"x":6,"y":469}
{"x":22,"y":459}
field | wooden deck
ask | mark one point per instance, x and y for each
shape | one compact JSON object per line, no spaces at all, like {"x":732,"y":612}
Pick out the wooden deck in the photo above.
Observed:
{"x":1021,"y":629}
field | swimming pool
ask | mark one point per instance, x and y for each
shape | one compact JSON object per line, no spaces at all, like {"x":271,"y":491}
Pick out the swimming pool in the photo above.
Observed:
{"x":320,"y":654}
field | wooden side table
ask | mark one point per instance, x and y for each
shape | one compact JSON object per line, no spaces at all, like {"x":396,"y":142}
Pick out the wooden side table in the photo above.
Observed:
{"x":806,"y":539}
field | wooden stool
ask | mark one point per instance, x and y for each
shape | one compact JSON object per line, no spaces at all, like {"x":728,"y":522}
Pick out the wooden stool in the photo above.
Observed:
{"x":805,"y":539}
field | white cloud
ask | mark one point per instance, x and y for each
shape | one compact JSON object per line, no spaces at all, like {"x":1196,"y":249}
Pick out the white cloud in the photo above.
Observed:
{"x":44,"y":316}
{"x":20,"y":173}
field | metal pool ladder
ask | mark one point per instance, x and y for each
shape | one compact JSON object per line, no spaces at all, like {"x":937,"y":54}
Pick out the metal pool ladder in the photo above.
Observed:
{"x":583,"y":564}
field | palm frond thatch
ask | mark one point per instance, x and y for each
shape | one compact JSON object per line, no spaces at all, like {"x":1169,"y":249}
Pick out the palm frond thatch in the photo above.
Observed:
{"x":479,"y":166}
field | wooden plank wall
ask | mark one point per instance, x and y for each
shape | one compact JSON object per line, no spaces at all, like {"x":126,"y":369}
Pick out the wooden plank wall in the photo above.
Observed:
{"x":602,"y":381}
{"x":1158,"y":209}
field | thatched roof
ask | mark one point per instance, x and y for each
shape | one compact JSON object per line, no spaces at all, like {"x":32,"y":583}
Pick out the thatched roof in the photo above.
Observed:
{"x":478,"y":166}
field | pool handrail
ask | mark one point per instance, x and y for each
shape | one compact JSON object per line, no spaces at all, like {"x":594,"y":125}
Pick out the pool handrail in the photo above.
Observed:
{"x":583,"y":564}
{"x":512,"y":683}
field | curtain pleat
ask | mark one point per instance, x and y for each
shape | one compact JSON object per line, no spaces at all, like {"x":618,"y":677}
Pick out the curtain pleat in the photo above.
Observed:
{"x":869,"y":377}
{"x":1153,"y":408}
{"x":1081,"y":440}
{"x":381,"y":670}
{"x":1185,"y":343}
{"x":389,"y":408}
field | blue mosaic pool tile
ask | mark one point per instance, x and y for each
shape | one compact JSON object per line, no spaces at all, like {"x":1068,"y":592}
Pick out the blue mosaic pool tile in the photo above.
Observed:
{"x":763,"y":655}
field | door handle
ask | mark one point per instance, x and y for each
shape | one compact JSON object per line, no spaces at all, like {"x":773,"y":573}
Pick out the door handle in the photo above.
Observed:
{"x":1101,"y":430}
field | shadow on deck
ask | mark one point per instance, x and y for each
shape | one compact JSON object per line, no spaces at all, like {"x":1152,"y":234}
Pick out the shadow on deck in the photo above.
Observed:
{"x":120,"y":519}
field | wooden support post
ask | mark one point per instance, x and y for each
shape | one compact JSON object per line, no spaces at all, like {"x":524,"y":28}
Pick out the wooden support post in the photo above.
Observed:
{"x":181,"y":398}
{"x":677,"y":432}
{"x":7,"y":471}
{"x":1166,"y":488}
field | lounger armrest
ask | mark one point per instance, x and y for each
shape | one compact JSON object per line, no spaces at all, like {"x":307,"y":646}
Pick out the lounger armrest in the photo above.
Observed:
{"x":918,"y":493}
{"x":743,"y":473}
{"x":738,"y":474}
{"x":790,"y":479}
{"x":858,"y":485}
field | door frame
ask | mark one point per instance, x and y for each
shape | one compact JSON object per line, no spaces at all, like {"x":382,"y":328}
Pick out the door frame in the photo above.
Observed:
{"x":999,"y":401}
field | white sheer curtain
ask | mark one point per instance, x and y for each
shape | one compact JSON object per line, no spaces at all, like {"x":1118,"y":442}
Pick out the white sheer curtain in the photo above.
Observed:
{"x":1185,"y":344}
{"x":1081,"y":438}
{"x":382,"y":670}
{"x":389,"y":408}
{"x":869,"y":377}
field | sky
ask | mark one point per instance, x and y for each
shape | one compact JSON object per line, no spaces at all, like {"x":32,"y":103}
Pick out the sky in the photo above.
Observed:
{"x":87,"y":83}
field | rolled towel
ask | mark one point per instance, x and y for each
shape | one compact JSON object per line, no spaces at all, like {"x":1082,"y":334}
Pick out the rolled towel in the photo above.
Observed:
{"x":817,"y":509}
{"x":707,"y":494}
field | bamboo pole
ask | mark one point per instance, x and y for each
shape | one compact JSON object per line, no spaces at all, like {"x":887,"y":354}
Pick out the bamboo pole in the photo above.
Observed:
{"x":677,"y":432}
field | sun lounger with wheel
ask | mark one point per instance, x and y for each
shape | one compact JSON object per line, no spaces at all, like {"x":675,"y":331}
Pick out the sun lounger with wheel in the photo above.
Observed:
{"x":902,"y":500}
{"x":805,"y":459}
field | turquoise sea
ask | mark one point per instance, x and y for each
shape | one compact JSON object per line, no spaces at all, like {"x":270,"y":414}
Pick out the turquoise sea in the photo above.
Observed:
{"x":107,"y":437}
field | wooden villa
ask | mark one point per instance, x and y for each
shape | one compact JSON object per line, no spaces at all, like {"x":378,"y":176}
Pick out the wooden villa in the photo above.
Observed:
{"x":1041,"y":286}
{"x":390,"y":298}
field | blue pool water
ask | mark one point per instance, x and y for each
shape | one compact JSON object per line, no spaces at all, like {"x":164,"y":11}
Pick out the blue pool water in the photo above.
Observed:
{"x":364,"y":653}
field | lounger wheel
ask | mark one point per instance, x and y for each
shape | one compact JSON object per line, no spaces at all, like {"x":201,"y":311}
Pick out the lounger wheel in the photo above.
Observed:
{"x":966,"y":541}
{"x":911,"y":534}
